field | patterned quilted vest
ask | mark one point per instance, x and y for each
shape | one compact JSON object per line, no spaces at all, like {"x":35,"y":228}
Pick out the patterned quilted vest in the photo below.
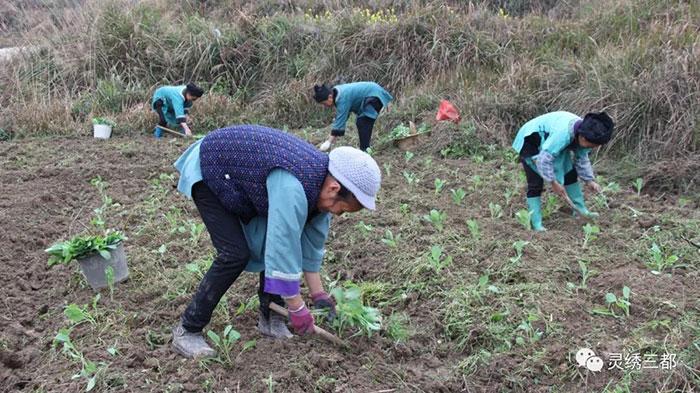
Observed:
{"x":236,"y":160}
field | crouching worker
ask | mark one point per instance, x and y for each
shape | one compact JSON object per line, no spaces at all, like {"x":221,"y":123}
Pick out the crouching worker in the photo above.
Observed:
{"x":554,"y":148}
{"x":266,"y":198}
{"x":364,"y":99}
{"x":172,"y":104}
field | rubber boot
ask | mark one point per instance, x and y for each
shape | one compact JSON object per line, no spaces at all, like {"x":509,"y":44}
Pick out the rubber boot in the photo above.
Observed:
{"x":534,"y":205}
{"x":274,"y":326}
{"x":157,"y":132}
{"x":576,"y":195}
{"x":190,"y":345}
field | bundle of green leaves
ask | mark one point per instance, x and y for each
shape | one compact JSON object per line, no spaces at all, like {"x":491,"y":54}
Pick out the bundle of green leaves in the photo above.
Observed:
{"x":351,"y":313}
{"x":84,"y":246}
{"x":103,"y":121}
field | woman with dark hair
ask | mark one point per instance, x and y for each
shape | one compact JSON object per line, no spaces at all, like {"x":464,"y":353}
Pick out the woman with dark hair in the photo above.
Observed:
{"x":554,"y":148}
{"x":172,"y":104}
{"x":364,"y":99}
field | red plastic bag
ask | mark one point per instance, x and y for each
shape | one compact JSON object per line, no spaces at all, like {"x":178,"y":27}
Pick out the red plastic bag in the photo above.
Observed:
{"x":447,"y":111}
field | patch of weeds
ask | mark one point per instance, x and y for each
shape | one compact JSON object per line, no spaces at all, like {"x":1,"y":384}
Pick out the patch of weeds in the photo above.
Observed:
{"x":252,"y":304}
{"x":437,"y":218}
{"x":398,"y":328}
{"x":526,"y":333}
{"x":496,"y":210}
{"x":613,"y":302}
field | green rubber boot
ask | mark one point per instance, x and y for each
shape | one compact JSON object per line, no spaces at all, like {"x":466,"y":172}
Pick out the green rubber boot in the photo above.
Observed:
{"x":534,"y":205}
{"x":576,"y":195}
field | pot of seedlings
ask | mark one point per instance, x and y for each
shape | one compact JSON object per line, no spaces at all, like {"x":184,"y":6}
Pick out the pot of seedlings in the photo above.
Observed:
{"x":102,"y":127}
{"x":102,"y":258}
{"x":406,"y":138}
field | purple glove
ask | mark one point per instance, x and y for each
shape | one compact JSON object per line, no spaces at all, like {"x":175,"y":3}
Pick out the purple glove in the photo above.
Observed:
{"x":324,"y":302}
{"x":301,"y":320}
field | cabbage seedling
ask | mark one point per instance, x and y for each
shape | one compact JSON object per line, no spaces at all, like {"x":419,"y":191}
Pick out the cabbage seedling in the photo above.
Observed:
{"x":518,"y":246}
{"x":389,"y":238}
{"x":439,"y":184}
{"x":523,"y":216}
{"x":496,"y":210}
{"x":614,"y":302}
{"x":638,"y":184}
{"x":437,"y":218}
{"x":474,"y":230}
{"x":659,"y":262}
{"x":224,"y":343}
{"x":408,"y":156}
{"x":410,"y":177}
{"x":590,"y":232}
{"x":458,"y":195}
{"x":351,"y":313}
{"x":435,"y":259}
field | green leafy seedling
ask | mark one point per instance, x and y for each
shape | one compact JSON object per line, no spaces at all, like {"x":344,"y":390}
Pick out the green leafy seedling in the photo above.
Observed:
{"x":518,"y":246}
{"x":496,"y":210}
{"x":658,"y":261}
{"x":458,"y":195}
{"x":77,"y":315}
{"x":590,"y":233}
{"x":389,"y":239}
{"x":410,"y":177}
{"x":439,"y":185}
{"x":614,"y":303}
{"x":365,"y":229}
{"x":436,"y":260}
{"x":224,"y":344}
{"x":408,"y":156}
{"x":437,"y":218}
{"x":638,"y":184}
{"x":474,"y":230}
{"x":523,"y":216}
{"x":387,"y":169}
{"x":352,"y":314}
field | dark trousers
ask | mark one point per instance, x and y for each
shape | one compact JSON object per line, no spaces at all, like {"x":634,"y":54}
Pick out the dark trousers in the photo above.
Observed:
{"x":232,"y":256}
{"x":535,"y":183}
{"x":158,"y":107}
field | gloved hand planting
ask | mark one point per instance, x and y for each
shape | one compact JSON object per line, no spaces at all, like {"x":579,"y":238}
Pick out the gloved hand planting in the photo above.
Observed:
{"x":322,"y":301}
{"x":301,"y":320}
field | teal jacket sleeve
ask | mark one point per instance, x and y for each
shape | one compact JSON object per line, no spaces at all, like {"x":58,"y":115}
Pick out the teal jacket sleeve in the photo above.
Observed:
{"x":342,"y":112}
{"x":313,"y":240}
{"x":178,"y":105}
{"x":287,"y":213}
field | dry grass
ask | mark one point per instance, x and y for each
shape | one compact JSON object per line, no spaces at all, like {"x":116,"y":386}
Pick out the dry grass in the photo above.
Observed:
{"x":502,"y":62}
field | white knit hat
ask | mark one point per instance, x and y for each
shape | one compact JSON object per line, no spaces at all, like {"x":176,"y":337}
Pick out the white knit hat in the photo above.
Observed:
{"x":358,"y":172}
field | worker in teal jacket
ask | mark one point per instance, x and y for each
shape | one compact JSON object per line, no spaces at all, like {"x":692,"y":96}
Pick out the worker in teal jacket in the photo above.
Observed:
{"x":172,"y":104}
{"x":554,"y":148}
{"x":364,"y":99}
{"x":266,"y":198}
